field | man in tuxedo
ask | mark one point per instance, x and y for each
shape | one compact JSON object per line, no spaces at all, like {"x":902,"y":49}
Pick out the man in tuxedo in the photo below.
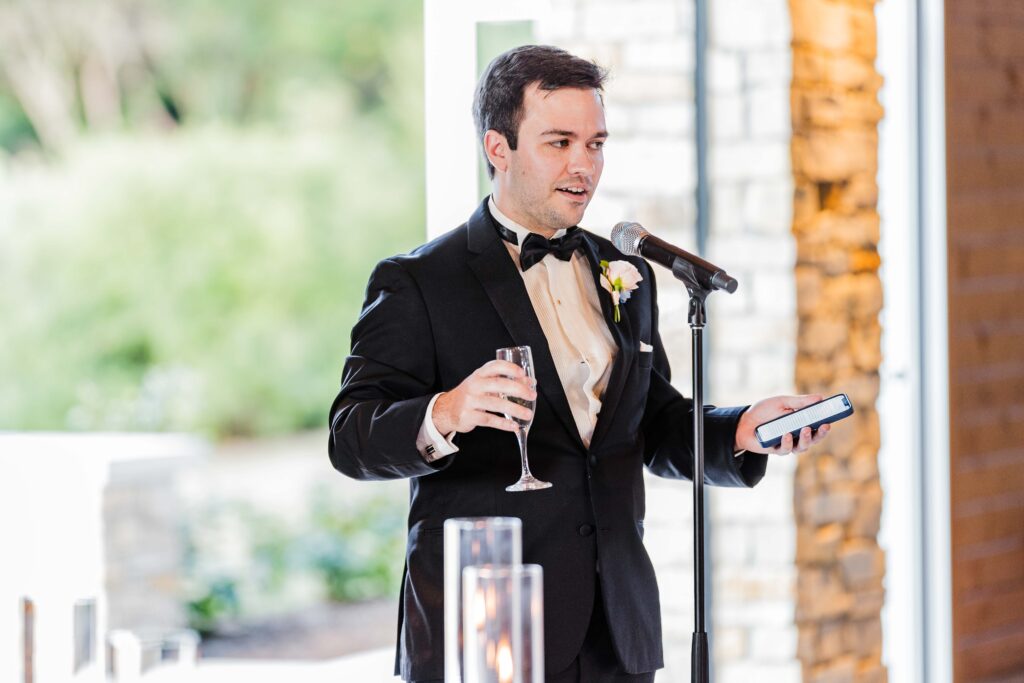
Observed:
{"x":421,"y":397}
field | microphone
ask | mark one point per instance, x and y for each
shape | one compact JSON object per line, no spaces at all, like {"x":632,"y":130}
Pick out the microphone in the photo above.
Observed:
{"x":632,"y":240}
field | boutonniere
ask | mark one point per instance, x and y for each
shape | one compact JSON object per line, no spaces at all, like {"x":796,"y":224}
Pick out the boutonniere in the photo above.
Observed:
{"x":620,"y":278}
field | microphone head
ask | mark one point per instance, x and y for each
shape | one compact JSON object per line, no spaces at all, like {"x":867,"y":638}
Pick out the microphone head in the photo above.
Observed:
{"x":627,"y":236}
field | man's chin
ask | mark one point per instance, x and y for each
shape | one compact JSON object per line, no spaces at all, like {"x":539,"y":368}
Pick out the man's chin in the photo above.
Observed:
{"x":571,"y":216}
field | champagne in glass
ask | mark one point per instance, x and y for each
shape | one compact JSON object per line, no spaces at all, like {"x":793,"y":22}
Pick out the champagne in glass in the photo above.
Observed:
{"x":523,"y":357}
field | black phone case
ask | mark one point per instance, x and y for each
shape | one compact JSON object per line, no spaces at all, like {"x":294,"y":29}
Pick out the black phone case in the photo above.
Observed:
{"x":813,"y":425}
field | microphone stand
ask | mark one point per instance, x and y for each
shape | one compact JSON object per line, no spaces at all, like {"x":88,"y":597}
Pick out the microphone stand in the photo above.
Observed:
{"x":699,"y":654}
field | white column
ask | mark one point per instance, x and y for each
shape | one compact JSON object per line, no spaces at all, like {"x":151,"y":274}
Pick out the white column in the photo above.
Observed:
{"x":449,"y":39}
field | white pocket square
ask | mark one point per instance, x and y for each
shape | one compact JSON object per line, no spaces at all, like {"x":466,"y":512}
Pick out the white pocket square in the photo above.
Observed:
{"x":645,"y":347}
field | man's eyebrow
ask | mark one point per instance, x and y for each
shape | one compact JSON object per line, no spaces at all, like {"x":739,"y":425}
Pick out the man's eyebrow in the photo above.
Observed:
{"x":570,"y":134}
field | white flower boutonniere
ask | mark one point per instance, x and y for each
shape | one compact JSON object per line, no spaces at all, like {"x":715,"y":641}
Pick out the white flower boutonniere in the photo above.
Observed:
{"x":620,"y":278}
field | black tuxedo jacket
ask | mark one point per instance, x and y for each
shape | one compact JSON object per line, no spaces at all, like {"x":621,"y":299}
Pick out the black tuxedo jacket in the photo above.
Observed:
{"x":433,"y":317}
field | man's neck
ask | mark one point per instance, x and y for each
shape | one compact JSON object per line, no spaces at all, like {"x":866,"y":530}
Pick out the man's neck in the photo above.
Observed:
{"x":515,"y":226}
{"x":511,"y":215}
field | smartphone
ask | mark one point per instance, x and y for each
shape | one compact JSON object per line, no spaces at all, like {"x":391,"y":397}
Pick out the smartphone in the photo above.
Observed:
{"x":830,"y":410}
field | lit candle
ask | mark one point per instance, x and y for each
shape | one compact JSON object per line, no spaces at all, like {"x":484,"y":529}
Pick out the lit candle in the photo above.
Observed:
{"x":503,"y":613}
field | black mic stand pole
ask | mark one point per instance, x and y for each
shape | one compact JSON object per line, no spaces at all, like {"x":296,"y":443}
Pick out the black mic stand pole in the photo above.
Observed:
{"x":700,"y":667}
{"x":700,"y":671}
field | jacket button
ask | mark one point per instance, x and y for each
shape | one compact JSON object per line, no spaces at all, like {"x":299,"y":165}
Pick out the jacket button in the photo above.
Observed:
{"x":592,"y":460}
{"x":585,"y":530}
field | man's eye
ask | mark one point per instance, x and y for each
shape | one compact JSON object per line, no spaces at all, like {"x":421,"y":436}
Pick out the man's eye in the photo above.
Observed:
{"x":560,"y":143}
{"x":597,"y":144}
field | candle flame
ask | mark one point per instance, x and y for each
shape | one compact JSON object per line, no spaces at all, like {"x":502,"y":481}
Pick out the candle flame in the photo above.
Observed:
{"x":479,"y":610}
{"x":504,"y":662}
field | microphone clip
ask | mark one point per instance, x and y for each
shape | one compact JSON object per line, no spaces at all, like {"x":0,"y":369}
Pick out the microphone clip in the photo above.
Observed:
{"x":683,"y":271}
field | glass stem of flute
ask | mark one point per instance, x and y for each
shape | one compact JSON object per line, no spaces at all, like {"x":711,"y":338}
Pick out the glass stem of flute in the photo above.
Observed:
{"x":521,"y":434}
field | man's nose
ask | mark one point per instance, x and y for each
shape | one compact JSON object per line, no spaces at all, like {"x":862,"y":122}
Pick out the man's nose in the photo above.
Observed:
{"x":581,"y":161}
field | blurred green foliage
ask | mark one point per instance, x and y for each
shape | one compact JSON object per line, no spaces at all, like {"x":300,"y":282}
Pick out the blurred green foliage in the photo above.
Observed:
{"x":138,"y":64}
{"x":358,"y":551}
{"x":218,"y":602}
{"x":276,"y":47}
{"x":243,"y":562}
{"x":198,"y":265}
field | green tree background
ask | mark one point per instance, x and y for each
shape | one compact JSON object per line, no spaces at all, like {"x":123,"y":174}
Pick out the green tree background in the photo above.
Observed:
{"x":192,"y":196}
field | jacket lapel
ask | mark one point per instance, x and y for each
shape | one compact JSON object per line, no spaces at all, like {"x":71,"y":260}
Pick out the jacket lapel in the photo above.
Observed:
{"x":504,"y":286}
{"x":621,"y":332}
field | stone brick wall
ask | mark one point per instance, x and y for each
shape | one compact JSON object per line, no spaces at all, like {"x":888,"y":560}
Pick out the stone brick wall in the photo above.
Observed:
{"x":837,"y":497}
{"x":143,"y":548}
{"x":650,"y":177}
{"x":752,"y":331}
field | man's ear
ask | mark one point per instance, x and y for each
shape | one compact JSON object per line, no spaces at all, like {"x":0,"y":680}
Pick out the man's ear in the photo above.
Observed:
{"x":496,"y":148}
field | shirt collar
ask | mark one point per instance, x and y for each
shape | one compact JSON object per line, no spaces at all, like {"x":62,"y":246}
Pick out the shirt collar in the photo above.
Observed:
{"x":510,"y":224}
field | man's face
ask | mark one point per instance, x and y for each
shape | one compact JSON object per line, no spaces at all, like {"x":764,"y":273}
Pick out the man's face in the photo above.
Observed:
{"x":550,"y":178}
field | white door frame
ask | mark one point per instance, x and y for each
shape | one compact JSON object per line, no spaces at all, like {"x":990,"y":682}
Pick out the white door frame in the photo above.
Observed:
{"x":914,"y":400}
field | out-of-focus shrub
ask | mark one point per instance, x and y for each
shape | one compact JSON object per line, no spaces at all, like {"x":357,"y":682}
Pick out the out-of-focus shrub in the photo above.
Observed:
{"x":245,"y":563}
{"x":205,"y":280}
{"x":218,"y":601}
{"x":358,"y":550}
{"x":189,"y":215}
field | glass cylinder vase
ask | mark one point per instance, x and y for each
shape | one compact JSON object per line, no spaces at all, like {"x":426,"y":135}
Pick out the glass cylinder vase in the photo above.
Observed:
{"x":468,"y":541}
{"x":503,"y":613}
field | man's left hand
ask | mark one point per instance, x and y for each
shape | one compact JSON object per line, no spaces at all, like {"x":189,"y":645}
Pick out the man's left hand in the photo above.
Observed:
{"x":769,"y":409}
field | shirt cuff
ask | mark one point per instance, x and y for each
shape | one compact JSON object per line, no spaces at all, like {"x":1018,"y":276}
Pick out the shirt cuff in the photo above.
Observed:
{"x":431,"y":444}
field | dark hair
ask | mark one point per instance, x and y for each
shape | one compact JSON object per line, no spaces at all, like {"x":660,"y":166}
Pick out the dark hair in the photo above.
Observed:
{"x":498,"y":103}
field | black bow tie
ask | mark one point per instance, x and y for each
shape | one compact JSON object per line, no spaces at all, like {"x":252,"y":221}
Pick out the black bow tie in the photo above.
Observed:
{"x":536,"y":247}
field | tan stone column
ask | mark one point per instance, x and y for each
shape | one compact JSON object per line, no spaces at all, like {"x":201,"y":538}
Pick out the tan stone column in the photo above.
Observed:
{"x":837,"y":496}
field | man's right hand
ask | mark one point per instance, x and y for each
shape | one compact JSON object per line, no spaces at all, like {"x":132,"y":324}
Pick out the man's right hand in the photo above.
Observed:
{"x":471,"y":404}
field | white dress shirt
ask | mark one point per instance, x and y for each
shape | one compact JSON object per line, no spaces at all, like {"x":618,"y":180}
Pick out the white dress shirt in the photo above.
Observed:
{"x":565,"y":299}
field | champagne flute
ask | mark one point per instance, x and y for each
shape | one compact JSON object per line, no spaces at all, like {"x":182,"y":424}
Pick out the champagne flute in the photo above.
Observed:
{"x":523,"y":357}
